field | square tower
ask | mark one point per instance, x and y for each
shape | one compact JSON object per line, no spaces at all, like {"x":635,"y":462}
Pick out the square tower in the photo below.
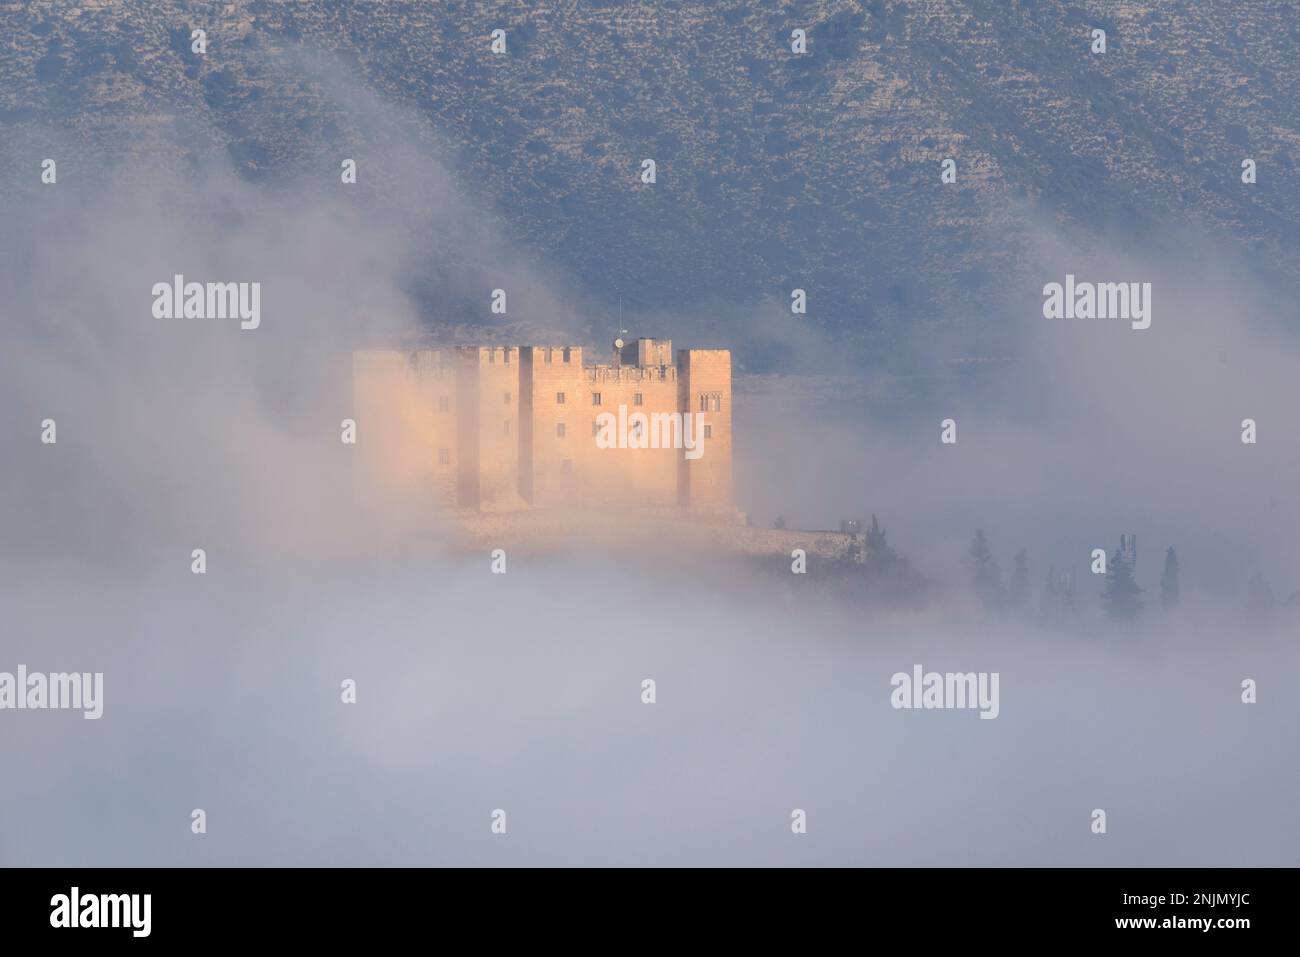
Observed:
{"x":704,"y":389}
{"x":488,"y":429}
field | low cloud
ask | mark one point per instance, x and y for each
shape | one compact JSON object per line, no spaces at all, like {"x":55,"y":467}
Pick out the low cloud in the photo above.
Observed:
{"x":522,"y":691}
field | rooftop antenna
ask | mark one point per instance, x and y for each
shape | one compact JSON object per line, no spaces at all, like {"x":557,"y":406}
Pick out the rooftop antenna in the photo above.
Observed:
{"x":618,"y":342}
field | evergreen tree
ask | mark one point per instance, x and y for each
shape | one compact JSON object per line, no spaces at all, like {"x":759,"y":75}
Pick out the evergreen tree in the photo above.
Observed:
{"x":985,"y":577}
{"x":1018,"y":587}
{"x":1169,"y":581}
{"x":1121,"y":595}
{"x":888,"y":574}
{"x":780,"y":522}
{"x":876,"y":537}
{"x":878,"y":553}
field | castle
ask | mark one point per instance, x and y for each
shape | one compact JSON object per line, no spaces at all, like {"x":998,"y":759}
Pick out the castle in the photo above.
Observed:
{"x":508,"y":428}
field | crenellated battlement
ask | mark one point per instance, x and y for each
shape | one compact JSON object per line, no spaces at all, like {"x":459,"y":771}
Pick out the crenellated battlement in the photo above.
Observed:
{"x":500,"y":428}
{"x":630,"y":374}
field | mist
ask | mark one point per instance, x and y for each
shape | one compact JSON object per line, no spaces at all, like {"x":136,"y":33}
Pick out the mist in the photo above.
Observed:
{"x":522,"y":691}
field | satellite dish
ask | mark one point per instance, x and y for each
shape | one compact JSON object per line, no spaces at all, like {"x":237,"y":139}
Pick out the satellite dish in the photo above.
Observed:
{"x":618,"y":343}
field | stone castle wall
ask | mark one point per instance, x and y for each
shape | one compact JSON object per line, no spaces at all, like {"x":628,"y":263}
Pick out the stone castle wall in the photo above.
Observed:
{"x":500,"y":429}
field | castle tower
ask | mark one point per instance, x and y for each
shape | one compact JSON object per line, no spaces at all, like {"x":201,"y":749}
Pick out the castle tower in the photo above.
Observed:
{"x":553,"y":430}
{"x":704,"y":388}
{"x":403,"y":402}
{"x":488,"y":428}
{"x":638,"y":394}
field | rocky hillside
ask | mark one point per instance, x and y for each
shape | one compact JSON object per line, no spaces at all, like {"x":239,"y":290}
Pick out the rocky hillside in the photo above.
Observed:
{"x":774,"y":170}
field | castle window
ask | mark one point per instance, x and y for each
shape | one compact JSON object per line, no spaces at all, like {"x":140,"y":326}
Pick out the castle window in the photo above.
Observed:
{"x":559,"y":430}
{"x":704,"y":402}
{"x":444,"y":456}
{"x":559,"y":398}
{"x":566,"y":353}
{"x":548,"y":356}
{"x":717,"y":403}
{"x":638,"y":399}
{"x":595,"y":398}
{"x":708,"y":431}
{"x":506,"y":354}
{"x":444,"y":404}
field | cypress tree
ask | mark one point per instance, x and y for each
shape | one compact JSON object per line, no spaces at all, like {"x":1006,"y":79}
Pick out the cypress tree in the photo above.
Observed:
{"x":1122,"y":594}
